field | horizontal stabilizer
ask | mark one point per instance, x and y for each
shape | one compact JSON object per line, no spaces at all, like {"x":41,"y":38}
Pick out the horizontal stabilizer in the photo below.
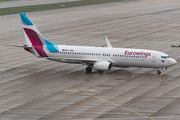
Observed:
{"x":19,"y":46}
{"x":27,"y":48}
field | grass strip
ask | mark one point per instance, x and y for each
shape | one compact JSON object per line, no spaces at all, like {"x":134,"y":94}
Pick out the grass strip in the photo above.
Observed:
{"x":33,"y":8}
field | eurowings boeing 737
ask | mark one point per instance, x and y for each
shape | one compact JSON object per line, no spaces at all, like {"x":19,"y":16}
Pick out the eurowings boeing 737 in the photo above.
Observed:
{"x":99,"y":58}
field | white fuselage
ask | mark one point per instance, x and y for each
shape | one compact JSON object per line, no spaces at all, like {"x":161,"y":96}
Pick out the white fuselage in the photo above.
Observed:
{"x":120,"y":57}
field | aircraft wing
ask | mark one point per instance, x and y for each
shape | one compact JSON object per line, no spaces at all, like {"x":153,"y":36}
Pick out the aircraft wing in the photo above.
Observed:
{"x":74,"y":60}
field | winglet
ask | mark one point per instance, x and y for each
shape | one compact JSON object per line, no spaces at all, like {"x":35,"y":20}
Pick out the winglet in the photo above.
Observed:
{"x":108,"y":43}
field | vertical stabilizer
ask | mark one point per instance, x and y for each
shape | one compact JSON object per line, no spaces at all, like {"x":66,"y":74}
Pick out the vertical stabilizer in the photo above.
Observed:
{"x":31,"y":33}
{"x":35,"y":43}
{"x":33,"y":37}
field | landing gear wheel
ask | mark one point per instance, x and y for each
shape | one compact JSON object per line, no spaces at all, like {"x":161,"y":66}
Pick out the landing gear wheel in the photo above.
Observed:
{"x":159,"y":72}
{"x":88,"y":69}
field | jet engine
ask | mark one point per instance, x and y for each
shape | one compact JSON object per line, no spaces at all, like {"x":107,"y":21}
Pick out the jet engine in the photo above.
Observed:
{"x":104,"y":65}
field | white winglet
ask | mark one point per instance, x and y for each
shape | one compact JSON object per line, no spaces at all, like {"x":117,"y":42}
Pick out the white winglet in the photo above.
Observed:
{"x":108,"y":43}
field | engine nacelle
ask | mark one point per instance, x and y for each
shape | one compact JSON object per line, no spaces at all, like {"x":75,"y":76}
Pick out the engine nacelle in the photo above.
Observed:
{"x":104,"y":65}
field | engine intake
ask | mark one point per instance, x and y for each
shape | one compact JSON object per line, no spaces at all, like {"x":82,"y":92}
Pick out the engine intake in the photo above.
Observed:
{"x":104,"y":65}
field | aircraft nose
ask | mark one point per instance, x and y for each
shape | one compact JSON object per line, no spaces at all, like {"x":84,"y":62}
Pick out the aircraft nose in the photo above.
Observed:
{"x":172,"y":62}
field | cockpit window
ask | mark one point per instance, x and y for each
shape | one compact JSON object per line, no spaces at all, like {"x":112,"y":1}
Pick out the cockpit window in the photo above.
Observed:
{"x":165,"y":57}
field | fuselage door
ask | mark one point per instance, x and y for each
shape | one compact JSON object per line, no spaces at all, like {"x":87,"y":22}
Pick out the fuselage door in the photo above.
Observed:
{"x":154,"y":58}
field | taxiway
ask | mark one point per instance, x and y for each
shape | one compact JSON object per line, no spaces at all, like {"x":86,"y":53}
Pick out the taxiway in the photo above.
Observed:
{"x":38,"y":89}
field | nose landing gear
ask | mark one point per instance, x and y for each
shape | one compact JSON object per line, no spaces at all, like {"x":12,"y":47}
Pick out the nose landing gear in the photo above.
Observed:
{"x":159,"y":72}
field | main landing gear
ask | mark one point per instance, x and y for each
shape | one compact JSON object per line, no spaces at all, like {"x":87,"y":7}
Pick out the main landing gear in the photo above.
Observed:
{"x":88,"y":69}
{"x":159,"y":72}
